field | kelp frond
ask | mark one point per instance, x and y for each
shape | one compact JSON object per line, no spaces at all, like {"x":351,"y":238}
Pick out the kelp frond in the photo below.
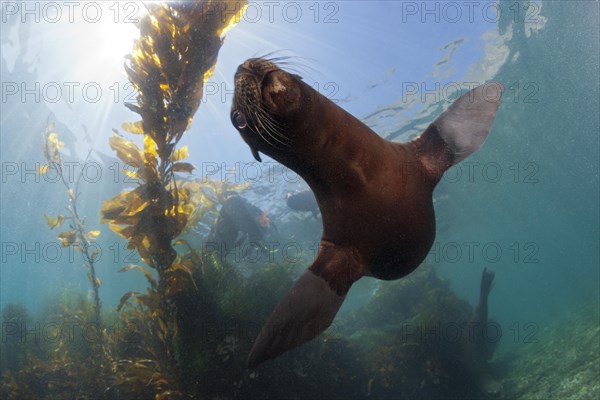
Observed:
{"x":175,"y":55}
{"x":170,"y":62}
{"x":77,"y":234}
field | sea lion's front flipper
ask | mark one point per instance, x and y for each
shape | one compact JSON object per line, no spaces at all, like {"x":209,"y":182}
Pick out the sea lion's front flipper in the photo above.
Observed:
{"x":461,"y":129}
{"x":308,"y":308}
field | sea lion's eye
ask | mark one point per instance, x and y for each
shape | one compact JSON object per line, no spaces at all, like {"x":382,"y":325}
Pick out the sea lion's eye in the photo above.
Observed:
{"x":239,"y":120}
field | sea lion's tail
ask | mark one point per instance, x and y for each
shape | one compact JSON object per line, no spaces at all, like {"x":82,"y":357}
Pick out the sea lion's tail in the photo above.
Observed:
{"x":460,"y":130}
{"x":309,"y":307}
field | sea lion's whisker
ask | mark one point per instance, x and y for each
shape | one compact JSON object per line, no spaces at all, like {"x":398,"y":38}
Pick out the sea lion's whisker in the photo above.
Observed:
{"x":256,"y":120}
{"x":268,"y":125}
{"x":278,"y":136}
{"x":299,"y":62}
{"x":267,"y":55}
{"x":275,"y":54}
{"x":290,"y":61}
{"x":264,"y":113}
{"x":273,"y":128}
{"x":261,"y":135}
{"x":274,"y":136}
{"x":265,"y":122}
{"x":277,"y":60}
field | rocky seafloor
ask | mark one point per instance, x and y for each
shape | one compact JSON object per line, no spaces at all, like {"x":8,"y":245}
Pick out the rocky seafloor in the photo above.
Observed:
{"x":562,"y":363}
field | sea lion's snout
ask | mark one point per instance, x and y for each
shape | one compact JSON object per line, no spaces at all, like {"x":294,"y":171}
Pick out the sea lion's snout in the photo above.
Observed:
{"x":263,"y":84}
{"x":279,"y":92}
{"x":264,"y":102}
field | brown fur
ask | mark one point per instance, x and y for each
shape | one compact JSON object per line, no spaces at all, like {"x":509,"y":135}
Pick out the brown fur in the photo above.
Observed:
{"x":375,"y":196}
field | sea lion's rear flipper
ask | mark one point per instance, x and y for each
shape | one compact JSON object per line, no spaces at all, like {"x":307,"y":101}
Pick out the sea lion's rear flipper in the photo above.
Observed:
{"x":308,"y":308}
{"x":460,"y":130}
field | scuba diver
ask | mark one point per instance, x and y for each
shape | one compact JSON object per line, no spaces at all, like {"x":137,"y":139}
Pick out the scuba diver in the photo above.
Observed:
{"x":239,"y":222}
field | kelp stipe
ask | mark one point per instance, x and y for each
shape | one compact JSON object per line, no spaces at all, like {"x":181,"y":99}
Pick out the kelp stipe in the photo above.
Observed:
{"x":175,"y":54}
{"x":57,"y":365}
{"x":77,"y":235}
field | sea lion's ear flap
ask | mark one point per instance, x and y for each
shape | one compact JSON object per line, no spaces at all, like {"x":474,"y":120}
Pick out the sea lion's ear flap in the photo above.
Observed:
{"x":464,"y":126}
{"x":255,"y":154}
{"x":296,"y":76}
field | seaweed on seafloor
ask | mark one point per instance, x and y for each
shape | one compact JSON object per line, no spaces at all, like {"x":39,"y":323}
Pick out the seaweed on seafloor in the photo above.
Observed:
{"x":412,"y":334}
{"x":15,"y":352}
{"x":53,"y":363}
{"x":219,"y":322}
{"x":14,"y":318}
{"x":60,"y":357}
{"x":393,"y":302}
{"x":558,"y":359}
{"x":174,"y":56}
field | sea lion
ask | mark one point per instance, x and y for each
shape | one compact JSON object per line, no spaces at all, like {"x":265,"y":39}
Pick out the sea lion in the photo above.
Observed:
{"x":303,"y":201}
{"x":375,"y":196}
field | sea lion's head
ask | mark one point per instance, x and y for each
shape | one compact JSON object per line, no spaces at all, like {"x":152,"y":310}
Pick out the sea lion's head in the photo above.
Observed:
{"x":268,"y":102}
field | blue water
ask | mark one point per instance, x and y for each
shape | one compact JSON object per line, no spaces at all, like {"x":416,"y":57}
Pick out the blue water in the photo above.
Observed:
{"x":526,"y":205}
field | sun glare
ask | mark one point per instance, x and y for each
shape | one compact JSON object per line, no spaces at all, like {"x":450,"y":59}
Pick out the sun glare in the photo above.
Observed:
{"x":84,"y":59}
{"x":101,"y":47}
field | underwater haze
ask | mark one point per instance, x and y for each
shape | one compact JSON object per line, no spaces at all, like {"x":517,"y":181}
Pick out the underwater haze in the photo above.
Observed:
{"x":99,"y":303}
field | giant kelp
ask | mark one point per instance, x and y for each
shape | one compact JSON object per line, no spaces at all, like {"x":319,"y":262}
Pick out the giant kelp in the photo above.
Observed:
{"x":58,"y":372}
{"x":77,"y":235}
{"x":175,"y":54}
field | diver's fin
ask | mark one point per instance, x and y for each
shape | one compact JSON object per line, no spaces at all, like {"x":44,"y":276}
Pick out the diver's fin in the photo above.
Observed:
{"x":460,"y":130}
{"x":487,"y":278}
{"x":308,"y":308}
{"x":481,"y":310}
